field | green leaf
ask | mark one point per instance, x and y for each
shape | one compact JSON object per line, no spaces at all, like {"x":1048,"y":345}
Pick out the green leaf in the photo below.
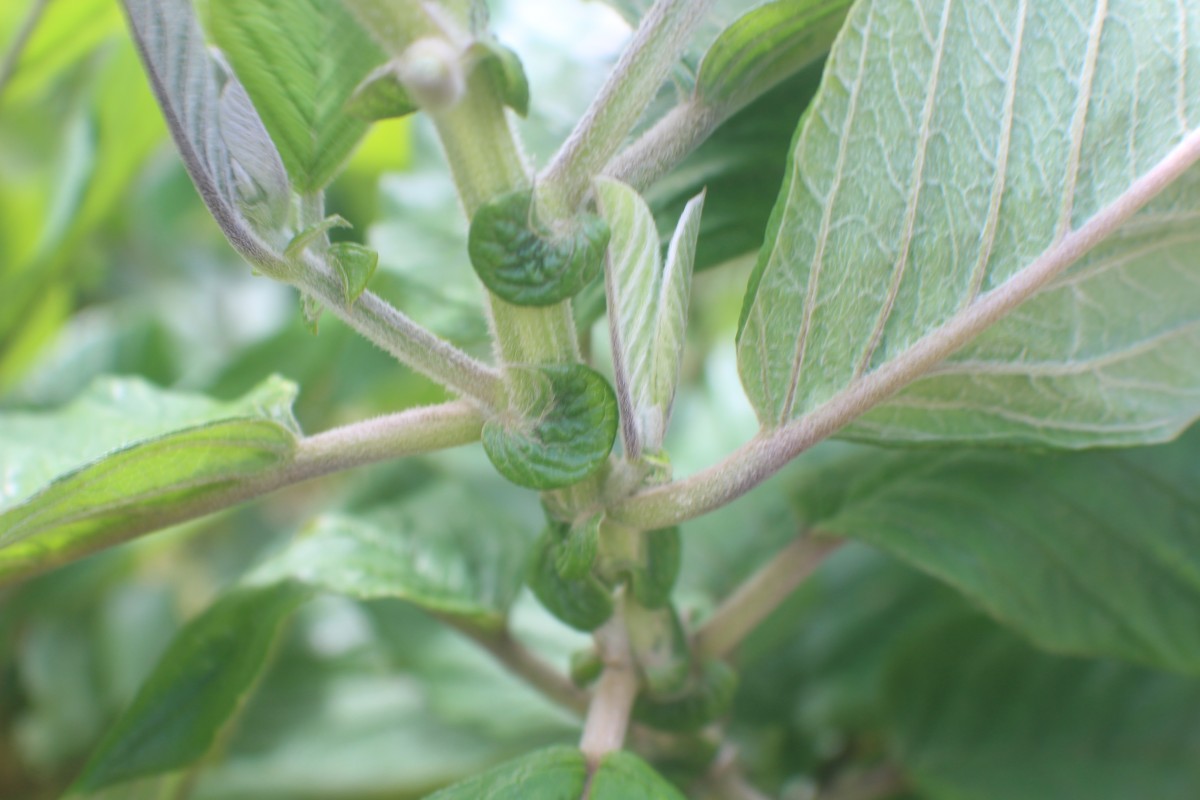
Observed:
{"x":300,"y":97}
{"x":579,"y":544}
{"x":508,"y":74}
{"x":259,"y":177}
{"x":948,"y":163}
{"x":355,"y":265}
{"x":1088,"y":553}
{"x":584,"y":603}
{"x":707,"y":696}
{"x":381,"y":95}
{"x":624,"y":776}
{"x":565,"y":437}
{"x":315,"y":232}
{"x":527,"y":264}
{"x":123,"y":458}
{"x":653,"y":579}
{"x":196,"y":688}
{"x":765,"y":46}
{"x":441,"y":550}
{"x":978,"y":714}
{"x":556,"y":773}
{"x":647,"y":310}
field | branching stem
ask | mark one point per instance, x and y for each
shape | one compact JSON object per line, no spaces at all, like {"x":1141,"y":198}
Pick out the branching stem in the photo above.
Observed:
{"x":755,"y":599}
{"x":638,"y":75}
{"x":608,"y":715}
{"x":767,"y":453}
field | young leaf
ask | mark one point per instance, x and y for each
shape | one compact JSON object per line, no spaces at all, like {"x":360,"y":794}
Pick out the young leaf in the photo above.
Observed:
{"x":196,"y":688}
{"x":765,"y":46}
{"x":122,"y":459}
{"x":551,"y":774}
{"x":440,"y":550}
{"x":508,"y":74}
{"x":355,"y":265}
{"x":584,"y":603}
{"x":647,"y":310}
{"x":1087,"y":553}
{"x":955,"y":162}
{"x":527,"y":264}
{"x":300,"y":242}
{"x":976,"y":713}
{"x":566,"y":438}
{"x":259,"y":176}
{"x":301,"y":96}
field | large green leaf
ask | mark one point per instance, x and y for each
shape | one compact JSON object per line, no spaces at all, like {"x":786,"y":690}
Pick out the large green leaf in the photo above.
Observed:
{"x":122,"y":458}
{"x":196,"y":688}
{"x":952,"y":157}
{"x":647,"y":307}
{"x":442,"y":551}
{"x":1091,"y":553}
{"x":978,"y":715}
{"x":300,"y":62}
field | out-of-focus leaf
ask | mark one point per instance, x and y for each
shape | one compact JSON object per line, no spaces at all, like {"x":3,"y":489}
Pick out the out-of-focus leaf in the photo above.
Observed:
{"x":65,"y":33}
{"x":766,"y":46}
{"x":439,"y":550}
{"x":121,"y":455}
{"x":557,"y":773}
{"x":918,"y":193}
{"x":1090,"y":553}
{"x":196,"y":688}
{"x":300,"y":97}
{"x":623,"y":776}
{"x":978,"y":714}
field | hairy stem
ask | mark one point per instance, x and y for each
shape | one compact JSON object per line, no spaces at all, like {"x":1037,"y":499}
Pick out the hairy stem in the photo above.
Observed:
{"x":768,"y":452}
{"x":608,"y":715}
{"x":665,"y":144}
{"x":762,"y":593}
{"x":523,"y":663}
{"x":410,"y":343}
{"x":16,"y":48}
{"x":641,"y":70}
{"x":419,"y":430}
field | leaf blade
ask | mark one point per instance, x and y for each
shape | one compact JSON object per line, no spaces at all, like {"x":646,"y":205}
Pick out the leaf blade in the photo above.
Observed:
{"x":858,"y":299}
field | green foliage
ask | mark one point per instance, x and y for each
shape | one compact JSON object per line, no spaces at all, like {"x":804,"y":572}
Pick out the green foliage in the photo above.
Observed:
{"x":564,"y":437}
{"x":195,"y":688}
{"x":123,"y":458}
{"x":528,"y":264}
{"x":975,"y":226}
{"x":838,"y":297}
{"x":299,"y":97}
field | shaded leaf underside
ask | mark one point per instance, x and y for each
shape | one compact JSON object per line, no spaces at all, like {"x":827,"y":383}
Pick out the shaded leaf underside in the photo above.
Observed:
{"x":951,"y":144}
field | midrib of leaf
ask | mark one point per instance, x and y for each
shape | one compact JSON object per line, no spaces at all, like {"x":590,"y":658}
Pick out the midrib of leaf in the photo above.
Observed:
{"x":823,"y":236}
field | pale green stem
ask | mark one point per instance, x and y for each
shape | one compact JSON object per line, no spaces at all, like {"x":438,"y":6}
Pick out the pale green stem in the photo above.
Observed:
{"x":608,"y":715}
{"x":486,"y":163}
{"x":419,"y":430}
{"x":665,"y":144}
{"x":761,"y":594}
{"x":772,"y":449}
{"x":16,"y":48}
{"x":637,"y":77}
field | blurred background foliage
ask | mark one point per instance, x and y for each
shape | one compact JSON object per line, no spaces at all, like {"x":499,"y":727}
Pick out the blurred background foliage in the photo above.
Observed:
{"x":110,"y":265}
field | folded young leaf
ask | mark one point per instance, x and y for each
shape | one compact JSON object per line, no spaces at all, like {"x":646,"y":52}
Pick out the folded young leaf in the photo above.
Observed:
{"x":958,"y":158}
{"x":196,"y":688}
{"x":439,"y":550}
{"x":647,"y":307}
{"x":301,"y":97}
{"x":124,"y":457}
{"x":1088,"y":553}
{"x":974,"y":712}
